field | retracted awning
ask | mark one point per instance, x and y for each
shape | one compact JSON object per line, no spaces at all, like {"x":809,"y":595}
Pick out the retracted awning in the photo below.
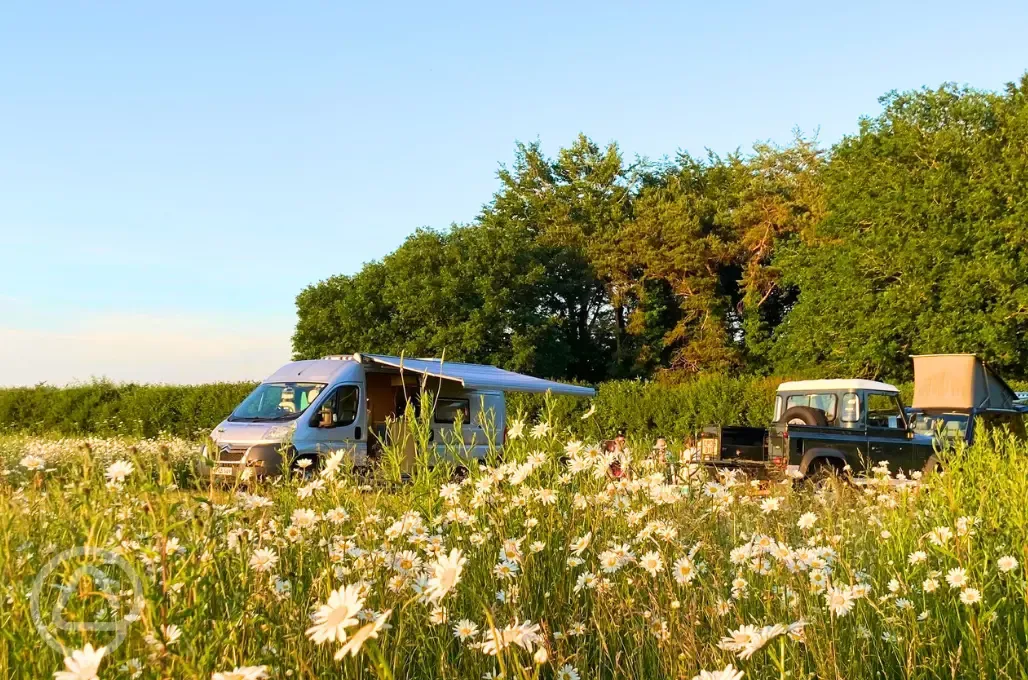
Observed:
{"x":479,"y":376}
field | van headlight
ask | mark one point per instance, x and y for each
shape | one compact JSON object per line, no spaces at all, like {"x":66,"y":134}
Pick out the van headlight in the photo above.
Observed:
{"x":279,"y":432}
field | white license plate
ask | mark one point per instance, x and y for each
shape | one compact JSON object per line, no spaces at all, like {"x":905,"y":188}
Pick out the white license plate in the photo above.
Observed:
{"x":225,"y":471}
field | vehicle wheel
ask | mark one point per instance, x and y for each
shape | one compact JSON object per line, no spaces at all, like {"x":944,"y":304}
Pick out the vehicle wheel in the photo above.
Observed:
{"x":803,"y":415}
{"x":823,"y":470}
{"x":932,"y":465}
{"x":460,"y":473}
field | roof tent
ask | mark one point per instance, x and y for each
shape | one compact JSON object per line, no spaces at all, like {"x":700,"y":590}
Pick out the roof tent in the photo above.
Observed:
{"x":959,"y":382}
{"x":475,"y":376}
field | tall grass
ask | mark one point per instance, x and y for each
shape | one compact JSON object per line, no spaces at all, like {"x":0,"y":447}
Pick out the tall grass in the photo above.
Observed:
{"x":193,"y":542}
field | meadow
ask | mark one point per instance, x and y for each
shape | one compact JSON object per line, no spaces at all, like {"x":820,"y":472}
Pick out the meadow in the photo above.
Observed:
{"x":536,"y":565}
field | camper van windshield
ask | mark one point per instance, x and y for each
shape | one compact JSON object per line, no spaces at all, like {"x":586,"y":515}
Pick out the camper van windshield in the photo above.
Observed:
{"x":276,"y":401}
{"x":948,"y":424}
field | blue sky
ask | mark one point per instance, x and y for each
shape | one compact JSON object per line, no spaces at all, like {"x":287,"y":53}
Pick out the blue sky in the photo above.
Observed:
{"x":172,"y":176}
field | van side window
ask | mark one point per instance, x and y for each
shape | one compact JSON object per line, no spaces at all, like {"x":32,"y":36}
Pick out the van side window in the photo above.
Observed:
{"x":850,"y":408}
{"x":446,"y":410}
{"x":883,"y":410}
{"x":339,"y":408}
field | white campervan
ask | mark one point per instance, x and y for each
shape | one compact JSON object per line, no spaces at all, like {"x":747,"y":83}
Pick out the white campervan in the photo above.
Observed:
{"x":348,"y":402}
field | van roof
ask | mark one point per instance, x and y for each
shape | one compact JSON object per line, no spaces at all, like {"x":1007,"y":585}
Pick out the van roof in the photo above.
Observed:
{"x":836,"y":384}
{"x":312,"y":370}
{"x":470,"y":376}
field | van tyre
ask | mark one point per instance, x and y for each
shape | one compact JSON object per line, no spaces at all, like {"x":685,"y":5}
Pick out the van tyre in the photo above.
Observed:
{"x":803,"y":415}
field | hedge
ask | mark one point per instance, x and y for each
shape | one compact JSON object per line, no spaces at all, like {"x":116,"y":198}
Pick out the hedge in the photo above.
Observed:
{"x":642,"y":408}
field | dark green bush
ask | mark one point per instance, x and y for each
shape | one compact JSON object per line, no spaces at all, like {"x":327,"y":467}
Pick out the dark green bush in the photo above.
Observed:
{"x":106,"y":408}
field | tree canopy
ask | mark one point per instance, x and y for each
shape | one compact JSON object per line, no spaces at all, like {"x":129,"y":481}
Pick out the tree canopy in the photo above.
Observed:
{"x":905,"y":237}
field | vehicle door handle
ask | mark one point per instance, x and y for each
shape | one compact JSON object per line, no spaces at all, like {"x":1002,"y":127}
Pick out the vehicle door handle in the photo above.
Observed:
{"x":357,"y":433}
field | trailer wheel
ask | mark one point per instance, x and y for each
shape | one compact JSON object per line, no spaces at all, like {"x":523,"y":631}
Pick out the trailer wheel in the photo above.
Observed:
{"x":803,"y":415}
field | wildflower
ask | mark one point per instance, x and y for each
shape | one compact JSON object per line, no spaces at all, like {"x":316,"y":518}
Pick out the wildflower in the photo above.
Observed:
{"x":685,"y":572}
{"x":917,"y":557}
{"x":573,"y":447}
{"x":769,"y":505}
{"x":585,"y":580}
{"x":118,"y":471}
{"x":956,"y":577}
{"x":303,"y":518}
{"x":940,"y":536}
{"x":1006,"y":564}
{"x":840,"y":601}
{"x":541,"y":656}
{"x":332,"y":464}
{"x":333,"y":618}
{"x":806,"y":520}
{"x":537,"y":546}
{"x":729,"y":672}
{"x":580,"y":544}
{"x":446,"y":572}
{"x":568,"y":672}
{"x":930,"y":585}
{"x":304,"y":463}
{"x":540,"y":430}
{"x":465,"y":630}
{"x":437,"y":616}
{"x":83,"y":664}
{"x":243,"y":673}
{"x":652,"y":563}
{"x":365,"y":633}
{"x":33,"y":463}
{"x":263,"y":559}
{"x":171,"y":633}
{"x":970,"y":596}
{"x":516,"y":429}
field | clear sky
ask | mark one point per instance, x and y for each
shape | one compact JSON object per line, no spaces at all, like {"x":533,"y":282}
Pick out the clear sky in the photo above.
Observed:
{"x":172,"y":175}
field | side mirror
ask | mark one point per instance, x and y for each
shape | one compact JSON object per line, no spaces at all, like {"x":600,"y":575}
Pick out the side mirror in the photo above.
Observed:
{"x":325,"y":417}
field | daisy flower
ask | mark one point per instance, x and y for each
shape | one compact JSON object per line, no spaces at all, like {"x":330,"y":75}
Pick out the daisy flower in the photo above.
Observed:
{"x":82,"y":664}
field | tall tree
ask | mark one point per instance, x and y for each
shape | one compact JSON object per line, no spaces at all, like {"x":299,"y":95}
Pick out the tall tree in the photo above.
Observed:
{"x":923,"y":249}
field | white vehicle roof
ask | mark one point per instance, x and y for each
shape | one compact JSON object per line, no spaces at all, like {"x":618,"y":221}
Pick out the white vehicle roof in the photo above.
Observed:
{"x":836,"y":384}
{"x":478,"y":376}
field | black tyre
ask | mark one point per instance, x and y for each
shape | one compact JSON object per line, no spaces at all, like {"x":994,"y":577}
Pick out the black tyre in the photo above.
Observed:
{"x":822,"y":471}
{"x":932,"y":465}
{"x":803,"y":415}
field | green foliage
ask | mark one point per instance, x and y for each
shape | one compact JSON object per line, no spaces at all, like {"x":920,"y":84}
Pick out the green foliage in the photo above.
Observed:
{"x":905,"y":237}
{"x":923,"y":247}
{"x":107,"y":408}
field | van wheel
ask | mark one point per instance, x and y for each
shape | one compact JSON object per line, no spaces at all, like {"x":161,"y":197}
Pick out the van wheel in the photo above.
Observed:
{"x":823,"y":470}
{"x":460,"y":473}
{"x":803,"y":415}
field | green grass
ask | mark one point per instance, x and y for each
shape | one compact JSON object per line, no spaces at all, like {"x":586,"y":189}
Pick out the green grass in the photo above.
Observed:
{"x":633,"y":624}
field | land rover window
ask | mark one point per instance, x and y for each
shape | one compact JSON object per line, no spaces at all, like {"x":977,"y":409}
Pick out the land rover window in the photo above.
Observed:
{"x":883,"y":410}
{"x":851,"y":408}
{"x":446,"y":410}
{"x":339,"y":409}
{"x":824,"y":402}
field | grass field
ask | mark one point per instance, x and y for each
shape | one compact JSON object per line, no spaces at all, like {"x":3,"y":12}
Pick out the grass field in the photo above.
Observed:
{"x":529,"y":568}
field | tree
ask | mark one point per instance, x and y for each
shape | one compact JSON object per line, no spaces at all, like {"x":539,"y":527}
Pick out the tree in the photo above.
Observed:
{"x":923,"y":248}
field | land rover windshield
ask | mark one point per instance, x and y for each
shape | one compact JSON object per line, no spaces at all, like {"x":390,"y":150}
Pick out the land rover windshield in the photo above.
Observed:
{"x":276,"y":401}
